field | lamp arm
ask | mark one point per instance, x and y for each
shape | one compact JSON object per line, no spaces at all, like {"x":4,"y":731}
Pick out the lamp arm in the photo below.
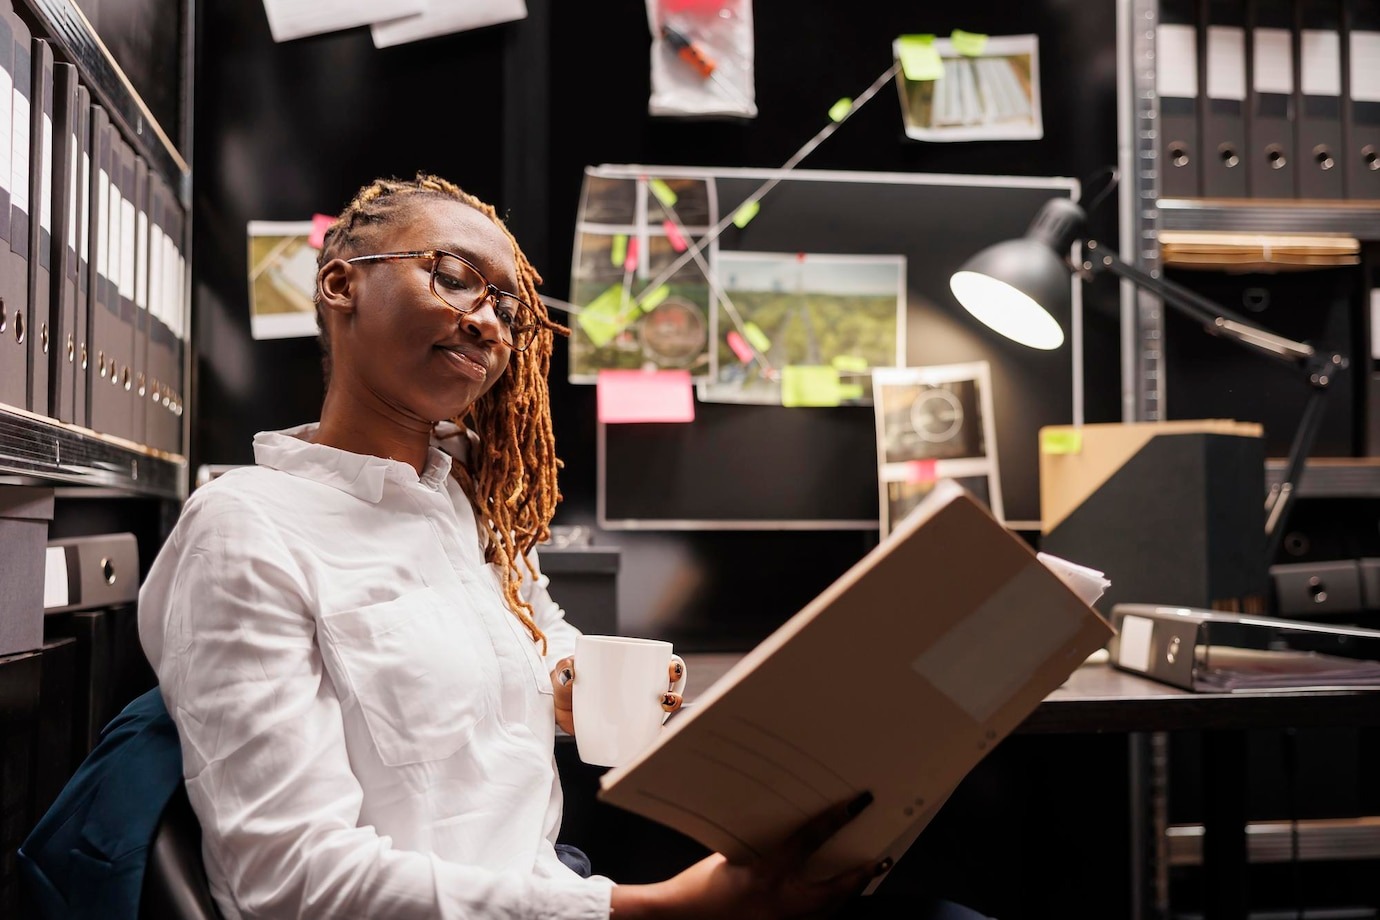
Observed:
{"x":1216,"y":319}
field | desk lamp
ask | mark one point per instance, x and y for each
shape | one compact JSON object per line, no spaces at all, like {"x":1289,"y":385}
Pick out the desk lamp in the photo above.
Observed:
{"x":1007,"y":286}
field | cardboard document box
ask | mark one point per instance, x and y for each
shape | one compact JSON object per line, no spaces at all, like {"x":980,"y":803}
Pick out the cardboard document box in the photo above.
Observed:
{"x":25,"y":512}
{"x":896,"y":680}
{"x":1212,"y":652}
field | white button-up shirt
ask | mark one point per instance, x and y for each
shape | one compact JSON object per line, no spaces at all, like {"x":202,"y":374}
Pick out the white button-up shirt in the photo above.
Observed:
{"x":367,"y":730}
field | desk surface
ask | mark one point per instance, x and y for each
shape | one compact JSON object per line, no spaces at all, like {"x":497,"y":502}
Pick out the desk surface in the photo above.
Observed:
{"x":1099,"y":698}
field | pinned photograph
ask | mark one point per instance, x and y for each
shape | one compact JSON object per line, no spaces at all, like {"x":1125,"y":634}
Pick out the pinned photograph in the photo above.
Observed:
{"x":975,"y":88}
{"x":780,"y":313}
{"x":934,"y":423}
{"x":282,"y":279}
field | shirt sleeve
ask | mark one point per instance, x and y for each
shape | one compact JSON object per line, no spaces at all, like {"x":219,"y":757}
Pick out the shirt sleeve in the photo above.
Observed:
{"x":550,"y":618}
{"x":225,"y":619}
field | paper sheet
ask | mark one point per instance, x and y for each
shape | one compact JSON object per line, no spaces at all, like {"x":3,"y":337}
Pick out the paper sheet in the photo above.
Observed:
{"x":289,"y":19}
{"x":442,"y":17}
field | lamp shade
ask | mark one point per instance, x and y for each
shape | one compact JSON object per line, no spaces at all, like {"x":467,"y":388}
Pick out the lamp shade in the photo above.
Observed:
{"x":1008,"y":287}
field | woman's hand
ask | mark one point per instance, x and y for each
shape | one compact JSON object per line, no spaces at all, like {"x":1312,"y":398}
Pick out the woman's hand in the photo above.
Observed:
{"x":770,"y":888}
{"x":563,"y":691}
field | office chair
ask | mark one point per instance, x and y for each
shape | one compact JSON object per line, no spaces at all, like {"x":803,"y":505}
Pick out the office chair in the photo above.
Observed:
{"x":175,"y":886}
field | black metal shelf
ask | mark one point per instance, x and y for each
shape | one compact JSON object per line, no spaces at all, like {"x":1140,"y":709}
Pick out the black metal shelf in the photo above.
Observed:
{"x":64,"y":24}
{"x":1332,"y":478}
{"x":34,"y":449}
{"x":1359,"y":219}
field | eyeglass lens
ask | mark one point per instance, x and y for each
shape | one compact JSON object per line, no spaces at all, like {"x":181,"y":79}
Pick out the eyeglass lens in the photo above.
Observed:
{"x":461,"y":286}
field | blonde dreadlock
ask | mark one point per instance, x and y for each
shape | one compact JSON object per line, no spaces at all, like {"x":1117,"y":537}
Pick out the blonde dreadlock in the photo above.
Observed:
{"x":510,"y":477}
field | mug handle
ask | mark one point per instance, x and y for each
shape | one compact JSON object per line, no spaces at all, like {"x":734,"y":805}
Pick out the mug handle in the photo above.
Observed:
{"x":677,"y":686}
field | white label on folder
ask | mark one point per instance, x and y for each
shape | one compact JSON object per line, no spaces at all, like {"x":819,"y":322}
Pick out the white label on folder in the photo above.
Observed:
{"x":45,"y":189}
{"x":990,"y":654}
{"x":55,"y":578}
{"x":179,"y":315}
{"x":103,"y":231}
{"x":1320,"y":63}
{"x":1274,"y":61}
{"x":1365,"y":66}
{"x":19,"y":184}
{"x":1134,"y":650}
{"x":156,"y":270}
{"x":141,"y":281}
{"x":112,"y":222}
{"x":1375,"y":322}
{"x":6,"y":107}
{"x":1176,"y":61}
{"x":127,"y":249}
{"x":73,"y":177}
{"x":1226,"y":63}
{"x":85,"y":251}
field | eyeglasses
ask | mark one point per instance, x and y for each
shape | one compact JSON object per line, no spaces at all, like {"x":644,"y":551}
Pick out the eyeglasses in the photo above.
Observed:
{"x":462,"y":287}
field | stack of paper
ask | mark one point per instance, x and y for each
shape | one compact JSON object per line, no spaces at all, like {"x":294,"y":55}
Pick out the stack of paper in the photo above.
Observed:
{"x":1257,"y":252}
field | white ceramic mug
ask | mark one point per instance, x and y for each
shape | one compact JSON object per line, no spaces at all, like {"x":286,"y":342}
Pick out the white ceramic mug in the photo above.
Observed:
{"x":619,"y":683}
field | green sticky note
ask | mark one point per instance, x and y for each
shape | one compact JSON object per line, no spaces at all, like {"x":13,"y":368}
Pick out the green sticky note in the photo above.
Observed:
{"x":605,"y":316}
{"x":839,"y":110}
{"x":853,"y":363}
{"x":809,"y":385}
{"x":968,"y":44}
{"x":746,"y":213}
{"x":920,"y":58}
{"x":653,"y":300}
{"x":757,"y":337}
{"x":1061,"y":441}
{"x":850,"y":391}
{"x":618,"y":252}
{"x":662,"y":191}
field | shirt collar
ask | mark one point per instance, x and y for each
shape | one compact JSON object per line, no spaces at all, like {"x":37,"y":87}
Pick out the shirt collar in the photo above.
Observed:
{"x":360,"y":475}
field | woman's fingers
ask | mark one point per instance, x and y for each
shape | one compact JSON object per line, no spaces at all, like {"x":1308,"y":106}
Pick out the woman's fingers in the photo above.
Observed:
{"x":564,"y":671}
{"x":670,"y":702}
{"x":813,"y":833}
{"x":675,"y":671}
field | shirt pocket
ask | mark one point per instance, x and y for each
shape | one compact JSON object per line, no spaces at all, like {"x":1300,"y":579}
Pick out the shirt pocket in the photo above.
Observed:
{"x":530,"y":650}
{"x":422,"y":673}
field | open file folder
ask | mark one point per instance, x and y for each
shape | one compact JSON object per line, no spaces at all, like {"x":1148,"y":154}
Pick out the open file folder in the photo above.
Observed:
{"x":1212,"y":652}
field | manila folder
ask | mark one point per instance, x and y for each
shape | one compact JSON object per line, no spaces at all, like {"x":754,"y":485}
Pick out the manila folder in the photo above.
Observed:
{"x":896,"y":680}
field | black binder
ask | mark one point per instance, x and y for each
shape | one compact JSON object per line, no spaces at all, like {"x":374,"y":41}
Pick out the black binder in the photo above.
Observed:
{"x":1319,"y":93}
{"x":81,"y":325}
{"x":63,"y":345}
{"x":140,"y":354}
{"x":14,"y":278}
{"x":1177,"y":59}
{"x":1223,"y":138}
{"x":108,"y":403}
{"x":1271,"y":161}
{"x":177,"y":311}
{"x":162,"y":345}
{"x":41,"y":174}
{"x":1362,"y":118}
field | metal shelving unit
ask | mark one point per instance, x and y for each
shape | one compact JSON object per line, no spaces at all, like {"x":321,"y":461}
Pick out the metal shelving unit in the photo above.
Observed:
{"x":38,"y":450}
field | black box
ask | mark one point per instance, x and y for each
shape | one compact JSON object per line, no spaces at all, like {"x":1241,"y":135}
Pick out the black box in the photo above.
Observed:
{"x":584,"y":581}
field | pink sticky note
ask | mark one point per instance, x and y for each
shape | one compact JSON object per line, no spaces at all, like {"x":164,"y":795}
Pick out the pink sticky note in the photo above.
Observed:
{"x":673,"y":235}
{"x":630,"y":262}
{"x":921,"y":471}
{"x":740,"y":348}
{"x":320,"y":223}
{"x":645,"y":396}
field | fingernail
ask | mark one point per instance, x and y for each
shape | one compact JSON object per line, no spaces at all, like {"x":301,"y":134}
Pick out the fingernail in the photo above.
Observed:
{"x":567,"y":676}
{"x":680,"y":671}
{"x":882,"y":867}
{"x":668,"y":700}
{"x":858,"y":804}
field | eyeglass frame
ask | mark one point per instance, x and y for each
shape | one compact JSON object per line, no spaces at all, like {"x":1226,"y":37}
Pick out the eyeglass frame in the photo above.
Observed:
{"x":491,"y":291}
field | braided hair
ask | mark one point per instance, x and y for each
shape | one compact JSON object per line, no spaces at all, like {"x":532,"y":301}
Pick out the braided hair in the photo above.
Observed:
{"x":510,"y":476}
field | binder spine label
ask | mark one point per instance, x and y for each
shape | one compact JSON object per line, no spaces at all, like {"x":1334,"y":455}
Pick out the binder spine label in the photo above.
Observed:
{"x":1320,"y":71}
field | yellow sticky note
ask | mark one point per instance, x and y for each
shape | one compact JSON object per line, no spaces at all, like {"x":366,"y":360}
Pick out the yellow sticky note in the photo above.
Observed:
{"x":618,"y":250}
{"x":745,"y":214}
{"x":1061,"y":441}
{"x":919,"y":57}
{"x":850,"y":391}
{"x":605,"y":316}
{"x":968,"y":44}
{"x":839,"y":110}
{"x":757,"y":337}
{"x":851,"y":363}
{"x":662,"y":191}
{"x":654,"y":299}
{"x":809,"y":385}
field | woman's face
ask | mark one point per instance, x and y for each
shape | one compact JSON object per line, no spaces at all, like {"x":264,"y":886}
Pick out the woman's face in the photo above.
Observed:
{"x":407,"y":348}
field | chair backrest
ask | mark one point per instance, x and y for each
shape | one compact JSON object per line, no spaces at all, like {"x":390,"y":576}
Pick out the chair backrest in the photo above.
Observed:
{"x":175,"y":886}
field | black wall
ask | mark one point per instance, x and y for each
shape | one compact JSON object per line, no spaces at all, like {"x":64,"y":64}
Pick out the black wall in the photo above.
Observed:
{"x":514,"y":114}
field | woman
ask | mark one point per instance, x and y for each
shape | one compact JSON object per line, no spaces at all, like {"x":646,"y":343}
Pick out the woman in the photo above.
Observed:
{"x":361,"y":659}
